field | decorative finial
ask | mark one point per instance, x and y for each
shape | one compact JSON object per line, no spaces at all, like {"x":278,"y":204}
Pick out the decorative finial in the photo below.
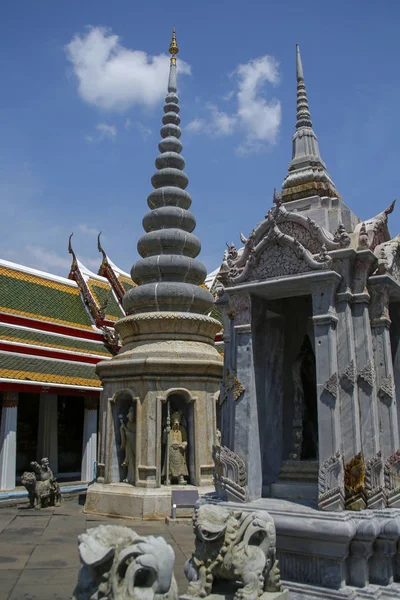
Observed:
{"x":276,"y":198}
{"x":99,"y":246}
{"x":173,"y":47}
{"x":71,"y":251}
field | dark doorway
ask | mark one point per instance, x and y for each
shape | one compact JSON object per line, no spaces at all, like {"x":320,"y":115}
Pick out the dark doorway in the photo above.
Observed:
{"x":70,"y":434}
{"x":27,"y":430}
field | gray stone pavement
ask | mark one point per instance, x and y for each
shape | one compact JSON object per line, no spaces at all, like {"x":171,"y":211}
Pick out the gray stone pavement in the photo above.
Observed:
{"x":38,"y":548}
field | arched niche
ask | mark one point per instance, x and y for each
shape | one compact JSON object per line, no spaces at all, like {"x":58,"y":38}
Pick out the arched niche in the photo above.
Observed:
{"x":183,"y":400}
{"x":120,"y":404}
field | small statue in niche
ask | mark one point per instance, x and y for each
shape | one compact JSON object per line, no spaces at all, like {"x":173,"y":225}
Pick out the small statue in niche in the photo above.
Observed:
{"x":128,"y":445}
{"x":175,"y":439}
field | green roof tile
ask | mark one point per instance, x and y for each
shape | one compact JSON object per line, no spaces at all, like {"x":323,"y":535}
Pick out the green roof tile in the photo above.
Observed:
{"x":44,"y":299}
{"x":62,"y":342}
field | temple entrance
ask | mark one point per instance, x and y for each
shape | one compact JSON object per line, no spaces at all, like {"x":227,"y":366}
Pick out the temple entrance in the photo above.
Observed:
{"x":285,"y":374}
{"x":305,"y":418}
{"x":177,"y":457}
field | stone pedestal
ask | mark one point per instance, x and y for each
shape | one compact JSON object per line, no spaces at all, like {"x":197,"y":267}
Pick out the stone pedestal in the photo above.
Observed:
{"x":89,"y":447}
{"x":128,"y":501}
{"x":8,"y":440}
{"x":48,"y":430}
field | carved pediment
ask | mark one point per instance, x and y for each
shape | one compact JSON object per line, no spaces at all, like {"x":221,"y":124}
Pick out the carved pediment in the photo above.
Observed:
{"x":388,"y":255}
{"x":285,"y":243}
{"x":276,"y":261}
{"x":375,"y":231}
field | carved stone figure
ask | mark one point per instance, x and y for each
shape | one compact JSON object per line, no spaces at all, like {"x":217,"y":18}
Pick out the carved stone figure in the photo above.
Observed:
{"x":128,"y":445}
{"x":118,"y":564}
{"x":233,"y":547}
{"x":176,"y":442}
{"x":42,"y":486}
{"x":230,"y":475}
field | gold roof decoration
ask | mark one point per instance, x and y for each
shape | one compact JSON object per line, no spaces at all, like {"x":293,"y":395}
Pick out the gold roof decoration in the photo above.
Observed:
{"x":173,"y":47}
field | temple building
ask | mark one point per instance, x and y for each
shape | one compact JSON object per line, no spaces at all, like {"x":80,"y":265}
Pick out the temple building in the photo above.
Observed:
{"x":308,"y":409}
{"x":53,"y":332}
{"x":311,"y":330}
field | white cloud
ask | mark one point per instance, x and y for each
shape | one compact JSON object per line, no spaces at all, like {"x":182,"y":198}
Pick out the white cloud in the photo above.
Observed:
{"x":103,"y":132}
{"x":196,"y":126}
{"x":221,"y":122}
{"x":144,"y":131}
{"x":258,"y":118}
{"x":45,"y":259}
{"x":113,"y":77}
{"x":89,"y":230}
{"x":48,"y":260}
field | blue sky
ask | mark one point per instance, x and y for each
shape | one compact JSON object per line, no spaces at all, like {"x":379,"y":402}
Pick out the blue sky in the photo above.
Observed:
{"x":82,"y":87}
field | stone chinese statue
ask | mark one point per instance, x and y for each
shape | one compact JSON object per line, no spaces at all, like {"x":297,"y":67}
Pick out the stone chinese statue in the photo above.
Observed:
{"x":175,"y":439}
{"x":128,"y":445}
{"x":42,"y":486}
{"x":235,"y":553}
{"x":118,"y":564}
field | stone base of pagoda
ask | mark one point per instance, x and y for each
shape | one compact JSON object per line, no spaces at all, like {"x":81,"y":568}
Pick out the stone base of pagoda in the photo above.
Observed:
{"x":127,"y":501}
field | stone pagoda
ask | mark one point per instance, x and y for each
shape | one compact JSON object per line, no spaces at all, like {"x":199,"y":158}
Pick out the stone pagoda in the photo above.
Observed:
{"x":308,"y":408}
{"x":157,"y":420}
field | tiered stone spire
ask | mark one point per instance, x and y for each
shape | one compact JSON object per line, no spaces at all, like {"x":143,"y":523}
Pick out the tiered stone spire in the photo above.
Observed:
{"x":168,"y":275}
{"x":307,"y":174}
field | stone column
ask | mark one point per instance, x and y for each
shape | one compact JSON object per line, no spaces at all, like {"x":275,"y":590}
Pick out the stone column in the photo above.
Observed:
{"x":325,"y":335}
{"x":365,"y":357}
{"x":48,"y":430}
{"x":395,"y":345}
{"x":330,"y":479}
{"x":243,"y":395}
{"x":8,"y":440}
{"x":89,"y":447}
{"x":349,"y":408}
{"x":344,"y":261}
{"x":387,"y":410}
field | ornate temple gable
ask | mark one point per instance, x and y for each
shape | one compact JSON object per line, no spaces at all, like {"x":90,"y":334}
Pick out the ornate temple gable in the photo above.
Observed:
{"x":388,"y":255}
{"x":120,"y":281}
{"x":375,"y":231}
{"x":284,"y":243}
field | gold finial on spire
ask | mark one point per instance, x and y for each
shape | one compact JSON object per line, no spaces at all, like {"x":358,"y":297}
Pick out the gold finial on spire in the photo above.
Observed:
{"x":173,"y":48}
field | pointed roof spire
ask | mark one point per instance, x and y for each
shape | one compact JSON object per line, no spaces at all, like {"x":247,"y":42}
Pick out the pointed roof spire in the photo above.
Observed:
{"x":303,"y":111}
{"x":168,"y":276}
{"x":307,"y":175}
{"x":173,"y":50}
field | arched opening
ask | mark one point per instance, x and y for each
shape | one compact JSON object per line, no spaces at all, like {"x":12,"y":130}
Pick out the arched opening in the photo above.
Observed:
{"x":123,"y":452}
{"x":177,"y":454}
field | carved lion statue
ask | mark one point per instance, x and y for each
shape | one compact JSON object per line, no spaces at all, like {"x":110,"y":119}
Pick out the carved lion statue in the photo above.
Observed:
{"x":41,"y":493}
{"x":118,"y":564}
{"x":232,"y":545}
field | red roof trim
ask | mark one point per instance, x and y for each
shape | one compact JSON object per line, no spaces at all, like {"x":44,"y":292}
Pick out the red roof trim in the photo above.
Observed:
{"x":46,"y":389}
{"x":52,"y":327}
{"x":35,"y":351}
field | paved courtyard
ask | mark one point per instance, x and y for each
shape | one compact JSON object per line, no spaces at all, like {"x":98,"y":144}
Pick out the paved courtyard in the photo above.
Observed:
{"x":38,"y":548}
